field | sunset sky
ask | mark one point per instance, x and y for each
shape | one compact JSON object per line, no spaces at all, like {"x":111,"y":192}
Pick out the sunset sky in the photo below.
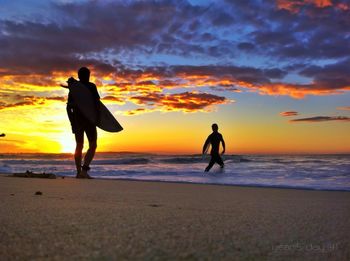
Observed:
{"x":273,"y":74}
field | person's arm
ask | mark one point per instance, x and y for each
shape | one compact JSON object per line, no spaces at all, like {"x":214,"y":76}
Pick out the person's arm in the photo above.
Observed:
{"x":223,"y":145}
{"x":206,"y":143}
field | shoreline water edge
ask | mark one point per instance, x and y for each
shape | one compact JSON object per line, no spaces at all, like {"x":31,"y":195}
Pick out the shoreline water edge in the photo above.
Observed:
{"x":318,"y":172}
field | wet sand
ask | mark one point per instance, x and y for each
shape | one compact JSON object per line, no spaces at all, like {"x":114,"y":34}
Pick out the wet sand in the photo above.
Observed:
{"x":110,"y":219}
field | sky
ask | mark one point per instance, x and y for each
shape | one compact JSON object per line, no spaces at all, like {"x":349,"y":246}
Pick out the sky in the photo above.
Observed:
{"x":273,"y":74}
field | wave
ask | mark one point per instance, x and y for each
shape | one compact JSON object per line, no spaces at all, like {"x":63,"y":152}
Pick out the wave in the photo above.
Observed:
{"x":199,"y":159}
{"x":120,"y":160}
{"x":182,"y":160}
{"x":123,"y":161}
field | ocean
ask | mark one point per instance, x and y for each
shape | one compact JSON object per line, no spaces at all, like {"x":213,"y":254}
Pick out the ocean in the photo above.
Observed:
{"x":319,"y":172}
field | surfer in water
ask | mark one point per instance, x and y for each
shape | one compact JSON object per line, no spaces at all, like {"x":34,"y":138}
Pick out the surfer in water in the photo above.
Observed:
{"x":214,"y":140}
{"x":80,"y":125}
{"x":2,"y":135}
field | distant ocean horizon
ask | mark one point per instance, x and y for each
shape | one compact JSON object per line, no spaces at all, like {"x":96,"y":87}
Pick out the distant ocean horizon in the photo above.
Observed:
{"x":304,"y":171}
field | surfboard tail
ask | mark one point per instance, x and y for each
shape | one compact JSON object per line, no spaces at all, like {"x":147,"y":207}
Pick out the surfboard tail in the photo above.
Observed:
{"x":107,"y":120}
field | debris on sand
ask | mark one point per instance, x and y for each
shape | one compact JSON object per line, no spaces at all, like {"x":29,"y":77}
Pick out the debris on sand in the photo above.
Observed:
{"x":30,"y":174}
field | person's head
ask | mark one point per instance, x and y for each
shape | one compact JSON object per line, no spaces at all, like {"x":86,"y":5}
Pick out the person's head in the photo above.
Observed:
{"x":84,"y":74}
{"x":214,"y":127}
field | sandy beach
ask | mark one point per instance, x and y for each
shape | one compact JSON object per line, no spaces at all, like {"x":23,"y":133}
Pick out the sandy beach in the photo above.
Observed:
{"x":111,"y":219}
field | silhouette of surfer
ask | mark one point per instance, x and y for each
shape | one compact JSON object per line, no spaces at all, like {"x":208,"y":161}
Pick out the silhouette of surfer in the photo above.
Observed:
{"x":80,"y":125}
{"x":2,"y":135}
{"x":214,"y":140}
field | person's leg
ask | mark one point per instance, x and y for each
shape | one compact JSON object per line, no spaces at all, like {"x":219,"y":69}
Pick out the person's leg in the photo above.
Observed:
{"x":91,"y":134}
{"x":219,"y":161}
{"x":79,"y":139}
{"x":211,"y":164}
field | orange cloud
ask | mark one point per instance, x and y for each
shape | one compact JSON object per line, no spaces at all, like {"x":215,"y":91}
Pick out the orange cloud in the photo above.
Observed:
{"x":26,"y":101}
{"x":343,"y":6}
{"x":186,"y":102}
{"x":295,"y":5}
{"x":138,"y":111}
{"x":114,"y":99}
{"x":289,"y":113}
{"x":147,"y":86}
{"x":345,"y":108}
{"x":297,"y":91}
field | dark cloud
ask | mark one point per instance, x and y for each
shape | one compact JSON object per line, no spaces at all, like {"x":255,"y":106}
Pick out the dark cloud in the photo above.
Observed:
{"x":222,"y":19}
{"x":86,"y":33}
{"x":80,"y":30}
{"x":304,"y":29}
{"x":322,"y":119}
{"x":332,"y":76}
{"x":83,"y":30}
{"x":246,"y":46}
{"x":275,"y":73}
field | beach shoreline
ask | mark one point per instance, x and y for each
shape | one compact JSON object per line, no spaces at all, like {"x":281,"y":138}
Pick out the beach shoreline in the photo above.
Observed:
{"x":109,"y":219}
{"x":313,"y":172}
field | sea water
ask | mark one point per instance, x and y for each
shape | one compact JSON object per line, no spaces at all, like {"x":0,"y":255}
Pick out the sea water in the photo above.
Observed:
{"x":328,"y":172}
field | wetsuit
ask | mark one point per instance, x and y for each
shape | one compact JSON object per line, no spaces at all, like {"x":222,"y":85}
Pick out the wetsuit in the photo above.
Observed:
{"x":214,"y":139}
{"x":79,"y":122}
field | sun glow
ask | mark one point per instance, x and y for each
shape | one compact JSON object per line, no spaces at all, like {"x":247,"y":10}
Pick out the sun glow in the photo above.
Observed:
{"x":67,"y":144}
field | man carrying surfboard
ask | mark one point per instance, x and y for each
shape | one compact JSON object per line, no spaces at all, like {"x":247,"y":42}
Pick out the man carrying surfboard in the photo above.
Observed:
{"x":85,"y":112}
{"x":80,"y":114}
{"x":214,"y":140}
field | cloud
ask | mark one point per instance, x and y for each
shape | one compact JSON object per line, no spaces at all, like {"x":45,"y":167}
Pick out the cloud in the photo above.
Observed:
{"x":87,"y":31}
{"x":246,"y":46}
{"x":295,"y":6}
{"x":322,"y":119}
{"x":28,"y":100}
{"x":289,"y":113}
{"x":122,"y":43}
{"x":113,"y":99}
{"x":138,"y":111}
{"x":299,"y":29}
{"x":84,"y":32}
{"x":344,"y":108}
{"x":186,"y":101}
{"x":331,"y":76}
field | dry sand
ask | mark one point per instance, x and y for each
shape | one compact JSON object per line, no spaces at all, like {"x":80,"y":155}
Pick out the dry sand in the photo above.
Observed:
{"x":114,"y":220}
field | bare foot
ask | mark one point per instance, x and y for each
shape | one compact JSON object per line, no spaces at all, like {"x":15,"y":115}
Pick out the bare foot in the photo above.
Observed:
{"x":85,"y":175}
{"x":79,"y":176}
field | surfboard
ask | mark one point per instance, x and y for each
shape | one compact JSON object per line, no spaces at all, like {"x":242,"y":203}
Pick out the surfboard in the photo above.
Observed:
{"x":107,"y":121}
{"x":86,"y":104}
{"x":207,"y":148}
